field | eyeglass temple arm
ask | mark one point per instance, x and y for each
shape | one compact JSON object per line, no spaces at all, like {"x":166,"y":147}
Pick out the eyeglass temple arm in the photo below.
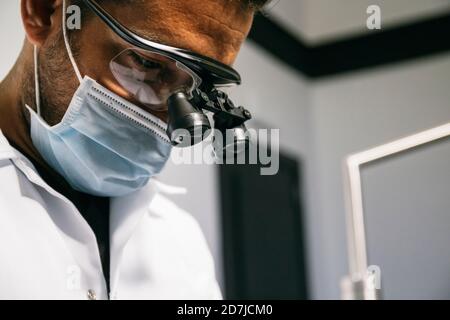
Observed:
{"x":226,"y":115}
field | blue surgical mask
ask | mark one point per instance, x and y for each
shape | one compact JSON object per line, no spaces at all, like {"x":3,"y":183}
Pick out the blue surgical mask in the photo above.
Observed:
{"x":104,"y":145}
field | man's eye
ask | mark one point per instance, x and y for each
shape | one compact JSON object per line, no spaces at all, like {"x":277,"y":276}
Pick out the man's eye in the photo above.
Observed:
{"x":141,"y":61}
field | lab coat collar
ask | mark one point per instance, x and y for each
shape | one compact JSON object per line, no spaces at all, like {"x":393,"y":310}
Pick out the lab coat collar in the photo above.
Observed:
{"x":125,"y":212}
{"x":74,"y":229}
{"x":6,"y":151}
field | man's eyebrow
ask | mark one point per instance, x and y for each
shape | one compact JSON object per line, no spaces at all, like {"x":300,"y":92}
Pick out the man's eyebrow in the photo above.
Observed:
{"x":154,"y":37}
{"x":147,"y":35}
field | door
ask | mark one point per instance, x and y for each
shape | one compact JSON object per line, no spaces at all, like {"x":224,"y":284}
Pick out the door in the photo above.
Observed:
{"x":262,"y":232}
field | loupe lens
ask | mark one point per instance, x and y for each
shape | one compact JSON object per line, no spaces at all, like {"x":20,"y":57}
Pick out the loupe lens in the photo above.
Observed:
{"x":231,"y":142}
{"x":187,"y":125}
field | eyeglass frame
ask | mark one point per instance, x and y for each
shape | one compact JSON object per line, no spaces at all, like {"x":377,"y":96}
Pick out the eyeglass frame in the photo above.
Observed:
{"x":213,"y":73}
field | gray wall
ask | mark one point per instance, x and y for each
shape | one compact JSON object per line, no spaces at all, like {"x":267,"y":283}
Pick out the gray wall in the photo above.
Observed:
{"x":408,"y":230}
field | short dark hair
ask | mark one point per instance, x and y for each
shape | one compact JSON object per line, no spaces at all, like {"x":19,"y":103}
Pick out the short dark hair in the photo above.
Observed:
{"x":257,"y":4}
{"x":253,"y":4}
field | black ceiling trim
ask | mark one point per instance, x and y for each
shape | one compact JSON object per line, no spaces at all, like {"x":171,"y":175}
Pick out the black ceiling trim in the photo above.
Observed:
{"x":360,"y":52}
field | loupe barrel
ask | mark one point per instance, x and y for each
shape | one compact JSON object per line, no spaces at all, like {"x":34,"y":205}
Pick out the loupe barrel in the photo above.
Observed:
{"x":231,"y":142}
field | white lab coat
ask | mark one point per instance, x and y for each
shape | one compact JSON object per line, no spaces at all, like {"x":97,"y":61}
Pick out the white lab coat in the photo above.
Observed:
{"x":48,"y":251}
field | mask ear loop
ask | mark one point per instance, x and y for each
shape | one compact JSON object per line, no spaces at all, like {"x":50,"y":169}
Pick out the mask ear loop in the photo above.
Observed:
{"x":36,"y":62}
{"x":36,"y":81}
{"x":66,"y":42}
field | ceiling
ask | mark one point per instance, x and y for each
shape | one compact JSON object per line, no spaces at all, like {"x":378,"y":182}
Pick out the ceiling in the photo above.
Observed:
{"x":320,"y":21}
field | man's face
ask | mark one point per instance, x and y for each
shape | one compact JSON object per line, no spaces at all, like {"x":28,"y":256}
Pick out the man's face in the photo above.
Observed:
{"x":213,"y":28}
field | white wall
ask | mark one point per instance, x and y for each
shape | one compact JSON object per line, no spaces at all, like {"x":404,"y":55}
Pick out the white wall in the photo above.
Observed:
{"x":317,"y":21}
{"x":11,"y":34}
{"x":357,"y":111}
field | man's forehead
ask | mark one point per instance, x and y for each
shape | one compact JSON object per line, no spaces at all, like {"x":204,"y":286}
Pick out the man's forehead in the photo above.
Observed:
{"x":214,"y":28}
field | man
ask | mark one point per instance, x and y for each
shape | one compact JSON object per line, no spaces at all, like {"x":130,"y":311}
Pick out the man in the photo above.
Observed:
{"x":82,"y":119}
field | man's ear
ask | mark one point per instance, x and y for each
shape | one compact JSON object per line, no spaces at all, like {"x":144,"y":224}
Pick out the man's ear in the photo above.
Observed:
{"x":39,"y":19}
